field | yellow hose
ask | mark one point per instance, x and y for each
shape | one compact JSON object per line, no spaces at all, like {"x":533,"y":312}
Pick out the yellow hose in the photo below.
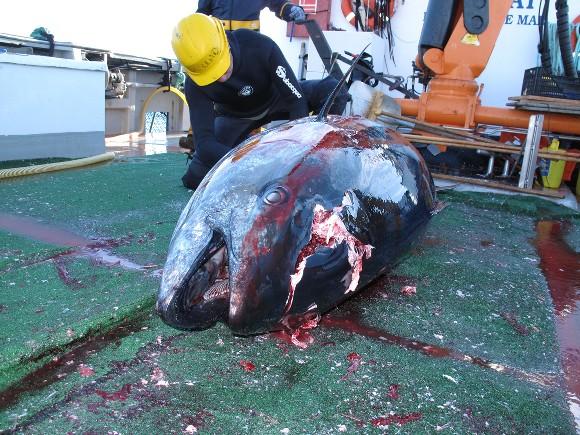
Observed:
{"x":49,"y":167}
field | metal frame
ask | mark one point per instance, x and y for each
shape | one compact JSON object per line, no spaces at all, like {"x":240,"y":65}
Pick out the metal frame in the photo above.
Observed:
{"x":529,"y":161}
{"x":329,"y":59}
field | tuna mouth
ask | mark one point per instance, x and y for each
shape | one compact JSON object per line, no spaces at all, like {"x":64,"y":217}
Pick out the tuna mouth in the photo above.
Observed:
{"x":202,"y":298}
{"x":210,"y":281}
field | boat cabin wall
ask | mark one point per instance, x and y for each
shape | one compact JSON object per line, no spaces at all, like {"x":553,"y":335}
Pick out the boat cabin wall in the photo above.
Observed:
{"x":51,"y":107}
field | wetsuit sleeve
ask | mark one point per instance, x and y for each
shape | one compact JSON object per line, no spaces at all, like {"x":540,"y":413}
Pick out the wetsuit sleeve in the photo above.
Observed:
{"x":280,"y":7}
{"x":205,"y":7}
{"x":287,"y":84}
{"x":202,"y":117}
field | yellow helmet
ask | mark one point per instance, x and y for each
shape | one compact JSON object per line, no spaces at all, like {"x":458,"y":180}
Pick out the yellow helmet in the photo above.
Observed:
{"x":201,"y":46}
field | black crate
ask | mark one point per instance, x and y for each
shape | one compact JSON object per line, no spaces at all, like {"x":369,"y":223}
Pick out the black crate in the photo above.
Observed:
{"x":540,"y":82}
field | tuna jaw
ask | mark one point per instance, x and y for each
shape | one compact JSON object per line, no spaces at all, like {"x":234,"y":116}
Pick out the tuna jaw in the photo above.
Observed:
{"x":201,"y":297}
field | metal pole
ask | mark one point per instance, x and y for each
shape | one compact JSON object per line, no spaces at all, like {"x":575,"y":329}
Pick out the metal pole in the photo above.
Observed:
{"x":532,"y":145}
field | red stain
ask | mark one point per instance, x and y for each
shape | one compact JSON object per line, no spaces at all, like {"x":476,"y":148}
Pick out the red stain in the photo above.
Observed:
{"x":95,"y":407}
{"x":353,"y":325}
{"x":120,"y":395}
{"x":34,"y":229}
{"x":296,"y":329}
{"x":86,"y":371}
{"x":397,"y":419}
{"x":283,"y":347}
{"x":57,"y":368}
{"x":560,"y":264}
{"x":561,"y":267}
{"x":198,"y":420}
{"x":64,"y":275}
{"x":248,"y":366}
{"x":300,"y":338}
{"x":332,"y":139}
{"x":355,"y":360}
{"x":512,"y":319}
{"x":430,"y":241}
{"x":80,"y":246}
{"x":353,"y":356}
{"x":327,"y":343}
{"x":393,"y":391}
{"x":387,"y":286}
{"x":282,"y":336}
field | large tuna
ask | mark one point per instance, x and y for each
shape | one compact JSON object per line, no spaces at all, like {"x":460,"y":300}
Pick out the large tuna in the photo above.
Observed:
{"x":292,"y":222}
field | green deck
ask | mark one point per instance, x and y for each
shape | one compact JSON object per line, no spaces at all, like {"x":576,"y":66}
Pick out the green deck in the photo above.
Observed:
{"x":82,"y":351}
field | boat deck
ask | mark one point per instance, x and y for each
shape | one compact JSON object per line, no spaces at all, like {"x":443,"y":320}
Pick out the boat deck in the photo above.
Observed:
{"x":462,"y":336}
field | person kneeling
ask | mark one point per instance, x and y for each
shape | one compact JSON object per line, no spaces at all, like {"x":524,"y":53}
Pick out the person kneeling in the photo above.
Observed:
{"x":236,"y":82}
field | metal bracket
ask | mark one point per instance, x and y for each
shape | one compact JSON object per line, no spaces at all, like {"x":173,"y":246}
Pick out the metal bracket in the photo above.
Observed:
{"x":531,"y":147}
{"x":329,"y":60}
{"x":323,"y":48}
{"x":476,"y":15}
{"x":393,"y":84}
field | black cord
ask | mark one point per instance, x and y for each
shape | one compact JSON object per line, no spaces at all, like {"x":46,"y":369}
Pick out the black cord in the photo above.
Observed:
{"x":543,"y":47}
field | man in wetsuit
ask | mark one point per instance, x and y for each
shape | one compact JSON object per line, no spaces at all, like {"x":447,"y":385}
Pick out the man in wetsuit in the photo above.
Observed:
{"x":245,"y":14}
{"x":237,"y":82}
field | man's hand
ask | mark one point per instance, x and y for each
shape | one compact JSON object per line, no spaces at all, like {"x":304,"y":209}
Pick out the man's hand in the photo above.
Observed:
{"x":297,"y":14}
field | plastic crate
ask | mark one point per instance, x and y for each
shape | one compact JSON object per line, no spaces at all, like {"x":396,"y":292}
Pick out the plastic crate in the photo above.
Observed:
{"x":540,"y":82}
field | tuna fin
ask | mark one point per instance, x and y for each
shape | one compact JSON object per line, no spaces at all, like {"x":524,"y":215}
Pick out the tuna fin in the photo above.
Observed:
{"x":328,"y":104}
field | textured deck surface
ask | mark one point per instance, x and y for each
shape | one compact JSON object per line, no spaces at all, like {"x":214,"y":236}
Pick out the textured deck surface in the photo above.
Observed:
{"x":474,"y":349}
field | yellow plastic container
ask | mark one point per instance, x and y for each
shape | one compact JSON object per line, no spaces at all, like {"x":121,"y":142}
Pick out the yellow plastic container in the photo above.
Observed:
{"x":552,"y":170}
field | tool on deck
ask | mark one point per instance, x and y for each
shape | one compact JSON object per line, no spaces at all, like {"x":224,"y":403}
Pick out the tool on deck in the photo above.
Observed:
{"x":329,"y":59}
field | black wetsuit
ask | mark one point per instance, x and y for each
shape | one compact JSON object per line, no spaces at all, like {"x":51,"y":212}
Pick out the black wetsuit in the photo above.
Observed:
{"x":262,"y":88}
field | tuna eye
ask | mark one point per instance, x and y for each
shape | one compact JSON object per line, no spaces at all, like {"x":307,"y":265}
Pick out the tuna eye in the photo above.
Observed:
{"x":275,"y":196}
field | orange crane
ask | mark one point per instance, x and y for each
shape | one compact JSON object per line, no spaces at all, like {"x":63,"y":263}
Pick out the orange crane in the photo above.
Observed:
{"x":456,"y":42}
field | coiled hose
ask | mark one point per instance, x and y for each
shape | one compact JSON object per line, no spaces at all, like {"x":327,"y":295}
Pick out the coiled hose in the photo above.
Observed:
{"x":50,"y":167}
{"x":554,"y":44}
{"x":543,"y":46}
{"x":564,"y":39}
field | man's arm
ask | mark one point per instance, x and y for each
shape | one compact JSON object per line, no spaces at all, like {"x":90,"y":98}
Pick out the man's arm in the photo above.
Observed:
{"x":202,"y":117}
{"x":205,"y":7}
{"x":287,"y":84}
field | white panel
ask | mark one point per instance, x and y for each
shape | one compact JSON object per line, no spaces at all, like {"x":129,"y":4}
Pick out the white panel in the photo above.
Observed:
{"x":47,"y":95}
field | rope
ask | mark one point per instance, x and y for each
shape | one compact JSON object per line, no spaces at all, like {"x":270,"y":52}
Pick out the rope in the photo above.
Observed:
{"x":50,"y":167}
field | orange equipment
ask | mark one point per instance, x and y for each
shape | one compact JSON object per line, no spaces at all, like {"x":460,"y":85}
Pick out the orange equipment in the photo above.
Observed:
{"x":455,"y":61}
{"x":350,"y":15}
{"x":368,"y":15}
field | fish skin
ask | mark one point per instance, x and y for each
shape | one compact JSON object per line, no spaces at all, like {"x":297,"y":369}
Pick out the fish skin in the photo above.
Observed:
{"x":260,"y":200}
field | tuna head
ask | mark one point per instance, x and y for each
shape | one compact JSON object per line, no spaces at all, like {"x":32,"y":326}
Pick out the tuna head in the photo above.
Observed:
{"x":237,"y":253}
{"x":278,"y":232}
